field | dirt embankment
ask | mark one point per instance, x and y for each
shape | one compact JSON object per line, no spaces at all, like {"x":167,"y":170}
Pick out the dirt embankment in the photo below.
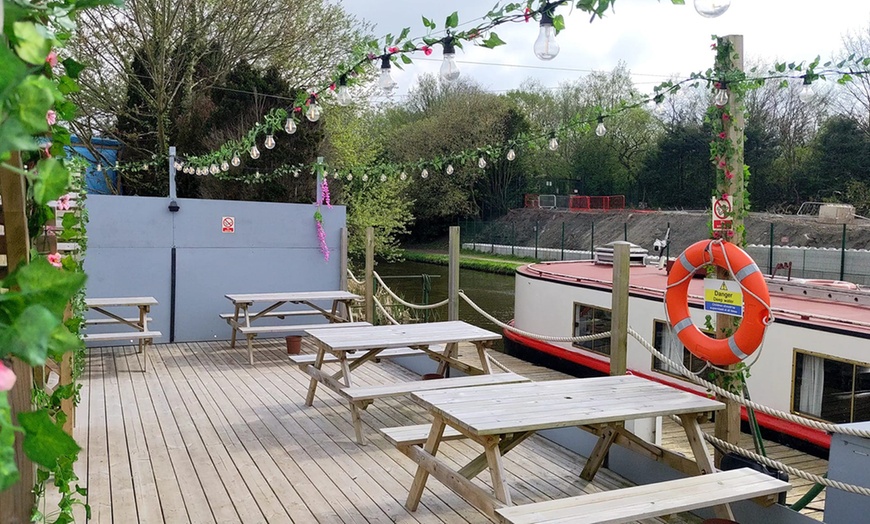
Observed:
{"x":643,"y":227}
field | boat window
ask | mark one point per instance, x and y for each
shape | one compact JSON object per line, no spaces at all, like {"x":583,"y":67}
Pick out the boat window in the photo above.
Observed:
{"x":590,"y":320}
{"x":666,"y":341}
{"x":831,"y":389}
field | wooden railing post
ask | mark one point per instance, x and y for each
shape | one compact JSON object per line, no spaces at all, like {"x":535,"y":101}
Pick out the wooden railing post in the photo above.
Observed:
{"x":16,"y":503}
{"x":453,"y":275}
{"x":370,"y":277}
{"x":619,"y":309}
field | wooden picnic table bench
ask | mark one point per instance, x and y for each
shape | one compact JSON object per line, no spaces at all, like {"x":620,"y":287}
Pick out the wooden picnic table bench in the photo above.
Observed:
{"x":140,"y":332}
{"x":241,"y":319}
{"x":649,"y":500}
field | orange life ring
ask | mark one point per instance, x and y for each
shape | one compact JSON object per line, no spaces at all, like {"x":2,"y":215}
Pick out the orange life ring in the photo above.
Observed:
{"x":756,"y":311}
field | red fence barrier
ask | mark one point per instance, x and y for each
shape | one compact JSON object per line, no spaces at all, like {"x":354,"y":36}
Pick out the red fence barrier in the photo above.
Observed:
{"x":578,"y":203}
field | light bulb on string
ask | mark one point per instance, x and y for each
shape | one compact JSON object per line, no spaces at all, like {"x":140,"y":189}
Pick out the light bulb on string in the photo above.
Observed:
{"x":255,"y":153}
{"x":290,"y":125}
{"x":385,"y":81}
{"x":342,"y":95}
{"x":711,"y":8}
{"x":176,"y":165}
{"x":313,"y":112}
{"x":295,"y":173}
{"x":403,"y":176}
{"x":349,"y":177}
{"x":235,"y":160}
{"x":335,"y":175}
{"x":806,"y":93}
{"x":383,"y":178}
{"x":546,"y":47}
{"x":270,"y":142}
{"x":225,"y":166}
{"x":257,"y":175}
{"x":213,"y":169}
{"x":600,"y":130}
{"x":481,"y":162}
{"x":424,"y":173}
{"x":99,"y":167}
{"x":721,"y":97}
{"x":365,"y":177}
{"x":511,"y":155}
{"x":553,"y":144}
{"x":449,"y":70}
{"x":449,"y":169}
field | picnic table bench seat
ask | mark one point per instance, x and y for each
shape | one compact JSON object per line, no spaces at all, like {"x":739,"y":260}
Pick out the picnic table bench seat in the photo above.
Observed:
{"x":135,"y":328}
{"x":365,"y":395}
{"x":309,"y":358}
{"x":278,"y":314}
{"x":649,"y":500}
{"x":105,"y":321}
{"x":126,"y":335}
{"x":416,"y":435}
{"x":252,"y":331}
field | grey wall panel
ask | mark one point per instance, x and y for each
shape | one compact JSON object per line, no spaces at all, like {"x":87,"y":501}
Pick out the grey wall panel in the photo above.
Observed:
{"x":205,"y":275}
{"x":125,"y":221}
{"x":130,"y":272}
{"x":257,"y":224}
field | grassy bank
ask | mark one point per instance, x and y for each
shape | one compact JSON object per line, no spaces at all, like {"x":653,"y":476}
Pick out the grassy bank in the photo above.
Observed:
{"x":472,"y":260}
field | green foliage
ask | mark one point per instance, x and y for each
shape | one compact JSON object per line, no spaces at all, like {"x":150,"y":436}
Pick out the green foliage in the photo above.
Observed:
{"x":477,"y":264}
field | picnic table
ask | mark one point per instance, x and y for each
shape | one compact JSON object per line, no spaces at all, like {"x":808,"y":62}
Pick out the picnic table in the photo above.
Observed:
{"x":499,"y":417}
{"x":439,"y":340}
{"x":139,"y":324}
{"x":242,"y":318}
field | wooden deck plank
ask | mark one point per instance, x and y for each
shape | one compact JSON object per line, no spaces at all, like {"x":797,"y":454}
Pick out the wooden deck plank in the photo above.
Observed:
{"x":98,"y":447}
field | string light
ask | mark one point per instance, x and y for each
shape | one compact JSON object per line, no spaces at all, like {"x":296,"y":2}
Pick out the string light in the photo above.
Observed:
{"x":290,"y":125}
{"x":385,"y":81}
{"x":225,"y":166}
{"x":600,"y":130}
{"x":424,"y":173}
{"x":213,"y":169}
{"x":711,"y":8}
{"x":806,"y":93}
{"x":349,"y":177}
{"x":255,"y":153}
{"x":481,"y":162}
{"x":342,"y":95}
{"x":546,"y":47}
{"x":721,"y":98}
{"x":449,"y":169}
{"x":383,"y":178}
{"x":365,"y":177}
{"x":449,"y":70}
{"x":313,"y":113}
{"x":236,"y":160}
{"x":553,"y":144}
{"x":511,"y":155}
{"x":403,"y":176}
{"x":270,"y":142}
{"x":99,"y":167}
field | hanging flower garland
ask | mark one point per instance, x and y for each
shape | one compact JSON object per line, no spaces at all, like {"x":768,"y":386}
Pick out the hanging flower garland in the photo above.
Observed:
{"x":323,"y":198}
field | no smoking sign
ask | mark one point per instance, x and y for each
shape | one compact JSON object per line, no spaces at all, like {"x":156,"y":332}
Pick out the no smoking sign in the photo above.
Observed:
{"x":722,"y":208}
{"x":228,"y":225}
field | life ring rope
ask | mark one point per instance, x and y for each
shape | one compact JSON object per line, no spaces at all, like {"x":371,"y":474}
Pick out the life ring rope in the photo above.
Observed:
{"x":728,"y":351}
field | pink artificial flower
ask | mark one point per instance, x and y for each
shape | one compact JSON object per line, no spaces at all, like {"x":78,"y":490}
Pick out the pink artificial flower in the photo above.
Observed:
{"x":51,"y":117}
{"x":729,"y":175}
{"x":717,"y":234}
{"x":729,"y":233}
{"x":7,"y":377}
{"x":393,"y":49}
{"x":371,"y":56}
{"x":298,"y":109}
{"x":63,"y":203}
{"x":717,"y":85}
{"x":54,"y":260}
{"x":527,"y":14}
{"x":722,"y":135}
{"x":324,"y":192}
{"x":52,"y":59}
{"x":714,"y":45}
{"x":721,"y":163}
{"x":426,"y":50}
{"x":47,"y":149}
{"x":321,"y":236}
{"x":332,"y":86}
{"x":725,"y":117}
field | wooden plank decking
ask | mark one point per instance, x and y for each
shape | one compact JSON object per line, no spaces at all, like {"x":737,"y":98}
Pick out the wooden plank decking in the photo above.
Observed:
{"x":205,"y":437}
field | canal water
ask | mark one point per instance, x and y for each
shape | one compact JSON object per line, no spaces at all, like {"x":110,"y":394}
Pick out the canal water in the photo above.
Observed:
{"x":493,"y":293}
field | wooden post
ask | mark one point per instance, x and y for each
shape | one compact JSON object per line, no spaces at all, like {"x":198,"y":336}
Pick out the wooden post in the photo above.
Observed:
{"x":16,"y":503}
{"x":727,"y":425}
{"x":619,"y":309}
{"x":453,"y":275}
{"x":342,"y":260}
{"x":370,"y":276}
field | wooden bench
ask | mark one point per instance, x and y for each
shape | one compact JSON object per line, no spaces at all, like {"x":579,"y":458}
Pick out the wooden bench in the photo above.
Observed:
{"x":365,"y":395}
{"x":277,"y":314}
{"x":416,"y":435}
{"x":650,"y":500}
{"x":308,"y":359}
{"x":137,"y":326}
{"x":105,"y":321}
{"x":252,"y":331}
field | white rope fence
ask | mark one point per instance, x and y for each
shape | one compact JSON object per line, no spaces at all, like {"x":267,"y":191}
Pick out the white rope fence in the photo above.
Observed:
{"x":502,"y":325}
{"x":399,"y":299}
{"x":384,"y":312}
{"x":352,"y":277}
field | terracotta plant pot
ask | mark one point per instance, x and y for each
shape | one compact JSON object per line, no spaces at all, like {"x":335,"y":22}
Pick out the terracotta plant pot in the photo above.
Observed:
{"x":294,"y":345}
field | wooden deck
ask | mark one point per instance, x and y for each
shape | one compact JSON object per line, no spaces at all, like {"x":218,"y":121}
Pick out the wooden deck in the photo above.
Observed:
{"x":205,"y":437}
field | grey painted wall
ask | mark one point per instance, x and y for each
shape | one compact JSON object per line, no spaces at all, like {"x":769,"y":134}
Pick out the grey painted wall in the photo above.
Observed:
{"x":274,"y":248}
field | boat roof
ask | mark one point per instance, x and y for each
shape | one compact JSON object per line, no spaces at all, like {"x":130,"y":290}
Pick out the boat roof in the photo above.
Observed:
{"x":832,"y":304}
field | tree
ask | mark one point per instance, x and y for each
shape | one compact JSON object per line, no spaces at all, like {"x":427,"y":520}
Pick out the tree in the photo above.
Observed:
{"x":854,"y":96}
{"x":678,"y":172}
{"x":153,"y":57}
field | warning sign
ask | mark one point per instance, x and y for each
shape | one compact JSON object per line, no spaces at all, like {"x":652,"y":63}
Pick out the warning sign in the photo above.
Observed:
{"x":723,"y":296}
{"x":722,"y":207}
{"x":228,"y":225}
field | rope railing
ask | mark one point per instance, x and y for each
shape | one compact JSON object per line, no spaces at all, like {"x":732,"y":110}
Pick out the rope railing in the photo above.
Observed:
{"x":803,"y":421}
{"x":399,"y":299}
{"x":384,"y":312}
{"x":499,"y":323}
{"x":851,"y":488}
{"x":353,"y":278}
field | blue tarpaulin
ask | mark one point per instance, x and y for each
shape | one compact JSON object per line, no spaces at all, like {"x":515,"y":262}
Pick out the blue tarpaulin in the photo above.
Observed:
{"x":104,"y":181}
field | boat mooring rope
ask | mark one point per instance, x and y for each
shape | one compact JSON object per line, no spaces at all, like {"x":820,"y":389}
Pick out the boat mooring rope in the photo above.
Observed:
{"x":851,"y":488}
{"x":398,"y":299}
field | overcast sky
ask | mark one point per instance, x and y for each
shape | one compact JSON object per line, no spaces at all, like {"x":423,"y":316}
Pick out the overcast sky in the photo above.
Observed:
{"x":654,"y":38}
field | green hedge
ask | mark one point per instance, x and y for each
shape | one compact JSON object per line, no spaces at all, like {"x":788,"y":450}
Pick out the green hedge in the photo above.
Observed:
{"x":506,"y":267}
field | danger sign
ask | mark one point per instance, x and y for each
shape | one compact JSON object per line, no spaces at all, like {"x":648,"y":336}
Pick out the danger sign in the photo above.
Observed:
{"x":722,"y":207}
{"x":228,"y":225}
{"x":723,"y":296}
